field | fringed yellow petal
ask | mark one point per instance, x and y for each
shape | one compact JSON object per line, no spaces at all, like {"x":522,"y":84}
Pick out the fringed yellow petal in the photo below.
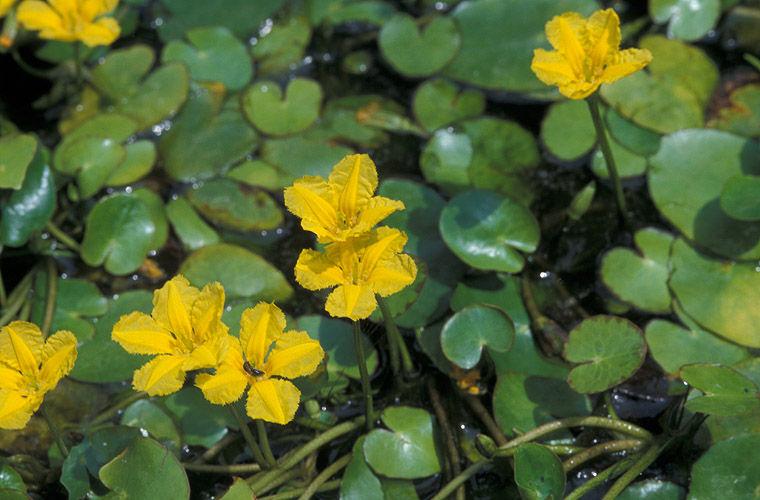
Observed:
{"x":39,"y":16}
{"x":161,"y":376}
{"x":295,"y":354}
{"x":10,"y":379}
{"x":273,"y":400}
{"x":16,"y":410}
{"x":626,"y":62}
{"x":92,"y":9}
{"x":384,"y":243}
{"x":21,"y":346}
{"x":393,"y":275}
{"x":579,"y":89}
{"x":104,"y":31}
{"x":309,"y":198}
{"x":315,"y":271}
{"x":229,"y":380}
{"x":172,"y":304}
{"x":603,"y":36}
{"x":376,"y":209}
{"x":351,"y":301}
{"x":566,"y":33}
{"x":138,"y":333}
{"x":551,"y":68}
{"x":206,"y":312}
{"x":259,"y":327}
{"x":5,"y":6}
{"x":58,"y":357}
{"x":354,"y":179}
{"x":209,"y":354}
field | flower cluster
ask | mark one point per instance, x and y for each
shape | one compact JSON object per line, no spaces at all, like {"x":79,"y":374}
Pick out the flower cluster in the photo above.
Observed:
{"x":185,"y":332}
{"x":357,"y":260}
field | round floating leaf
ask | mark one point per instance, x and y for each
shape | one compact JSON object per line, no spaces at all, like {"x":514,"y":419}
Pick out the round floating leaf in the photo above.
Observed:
{"x":139,"y":160}
{"x":155,"y":206}
{"x":146,"y":415}
{"x":538,"y":472}
{"x":16,"y":154}
{"x":94,"y":158}
{"x":673,"y":346}
{"x":417,"y":53}
{"x":241,"y":272}
{"x":102,"y":360}
{"x":340,"y":120}
{"x":439,"y":102}
{"x":30,"y":207}
{"x":236,"y":206}
{"x":610,"y":349}
{"x":726,"y":391}
{"x":282,"y":47}
{"x":468,"y":331}
{"x":238,"y":491}
{"x":213,"y":55}
{"x":632,"y":137}
{"x":336,"y":338}
{"x":74,"y":476}
{"x":408,"y":450}
{"x":337,"y":12}
{"x":743,"y":115}
{"x":105,"y":444}
{"x":721,"y":296}
{"x":276,"y":114}
{"x":567,"y":130}
{"x":687,"y":19}
{"x":498,"y":38}
{"x":653,"y":489}
{"x":146,"y":470}
{"x":77,"y":301}
{"x":488,"y":231}
{"x":10,"y":480}
{"x":207,"y":136}
{"x":242,"y":17}
{"x":629,"y":164}
{"x":522,"y":402}
{"x":740,"y":198}
{"x":118,"y":234}
{"x":201,"y":422}
{"x":297,"y":156}
{"x":730,"y":469}
{"x":707,"y":158}
{"x":641,"y":279}
{"x":360,"y":483}
{"x":190,"y":228}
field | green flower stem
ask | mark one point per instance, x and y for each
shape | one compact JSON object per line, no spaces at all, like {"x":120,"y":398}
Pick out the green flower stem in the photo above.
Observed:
{"x":17,"y":298}
{"x":395,"y":338}
{"x":39,"y":73}
{"x":235,"y":469}
{"x":462,"y":478}
{"x":283,"y":478}
{"x":604,"y":144}
{"x":55,"y":432}
{"x":485,"y":417}
{"x":50,"y":297}
{"x":326,"y":474}
{"x":366,"y":388}
{"x":294,"y":493}
{"x":114,"y":410}
{"x":644,"y":461}
{"x":312,"y":423}
{"x":264,"y":442}
{"x":600,"y":449}
{"x":249,"y":439}
{"x":62,"y":237}
{"x":608,"y":473}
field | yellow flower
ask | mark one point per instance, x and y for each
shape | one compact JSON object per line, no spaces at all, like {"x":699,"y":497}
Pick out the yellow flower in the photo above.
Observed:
{"x":359,"y":268}
{"x":343,"y":206}
{"x":5,"y":6}
{"x":263,"y":358}
{"x":30,"y":366}
{"x":71,"y":20}
{"x":587,"y":54}
{"x":185,"y":331}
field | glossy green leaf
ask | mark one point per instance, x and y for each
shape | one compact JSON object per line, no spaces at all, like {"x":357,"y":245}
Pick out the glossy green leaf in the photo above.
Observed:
{"x":241,"y":272}
{"x":687,"y":19}
{"x":11,"y":480}
{"x":148,"y":416}
{"x":201,"y":423}
{"x":538,"y":473}
{"x":297,"y":156}
{"x":257,"y":173}
{"x":726,"y":391}
{"x":193,"y":231}
{"x":567,"y":130}
{"x":16,"y":154}
{"x":340,"y":120}
{"x":730,"y":469}
{"x":336,"y":338}
{"x":336,"y":12}
{"x":439,"y":102}
{"x":282,"y":47}
{"x":360,"y":483}
{"x":238,"y":491}
{"x":408,"y":450}
{"x":418,"y":52}
{"x":74,"y":476}
{"x":632,"y":137}
{"x":275,"y":113}
{"x":235,"y":206}
{"x":653,"y":489}
{"x":742,"y":116}
{"x":157,"y":214}
{"x":239,"y":16}
{"x":740,"y":198}
{"x":77,"y":302}
{"x":468,"y":331}
{"x":608,"y":349}
{"x":139,"y":160}
{"x":489,"y":231}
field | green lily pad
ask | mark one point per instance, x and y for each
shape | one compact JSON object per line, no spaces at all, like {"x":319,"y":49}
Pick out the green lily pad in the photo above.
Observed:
{"x":282,"y":47}
{"x":418,"y":53}
{"x":105,"y":444}
{"x":236,"y":206}
{"x":360,"y":483}
{"x":628,"y":163}
{"x":95,"y":158}
{"x":100,"y":359}
{"x":74,"y":475}
{"x":123,"y":79}
{"x":609,"y":350}
{"x":488,"y":231}
{"x":241,"y":272}
{"x":653,"y":489}
{"x":687,"y":19}
{"x":408,"y":450}
{"x":673,"y":346}
{"x":440,"y":102}
{"x":522,"y":402}
{"x":498,"y":38}
{"x":148,"y":416}
{"x":238,"y":491}
{"x":118,"y":234}
{"x":213,"y":55}
{"x":740,"y":198}
{"x":239,"y":16}
{"x":257,"y":173}
{"x":340,"y":120}
{"x":336,"y":338}
{"x":634,"y":138}
{"x":726,"y":391}
{"x":138,"y":162}
{"x":468,"y":331}
{"x":708,"y":158}
{"x":742,"y":117}
{"x":276,"y":114}
{"x":674,"y":92}
{"x":16,"y":154}
{"x":720,"y":296}
{"x":730,"y":469}
{"x":10,"y":480}
{"x":567,"y":130}
{"x":29,"y":208}
{"x":538,"y":473}
{"x":201,"y":423}
{"x":298,"y":156}
{"x":146,"y":470}
{"x":581,"y":202}
{"x":207,"y":137}
{"x":336,"y":12}
{"x":486,"y":153}
{"x":77,"y":302}
{"x":641,"y":279}
{"x":191,"y":229}
{"x":157,"y":215}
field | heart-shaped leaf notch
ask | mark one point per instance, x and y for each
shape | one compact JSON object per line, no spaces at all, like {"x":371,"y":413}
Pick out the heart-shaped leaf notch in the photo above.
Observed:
{"x":439,"y":102}
{"x":468,"y":331}
{"x":416,"y":54}
{"x":275,"y":114}
{"x":726,"y":391}
{"x":408,"y":450}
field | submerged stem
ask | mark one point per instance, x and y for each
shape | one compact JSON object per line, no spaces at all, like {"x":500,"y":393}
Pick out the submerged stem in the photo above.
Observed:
{"x":249,"y":439}
{"x":62,"y":237}
{"x":264,"y":442}
{"x":366,"y":388}
{"x":394,"y":337}
{"x":459,"y":480}
{"x":326,"y":474}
